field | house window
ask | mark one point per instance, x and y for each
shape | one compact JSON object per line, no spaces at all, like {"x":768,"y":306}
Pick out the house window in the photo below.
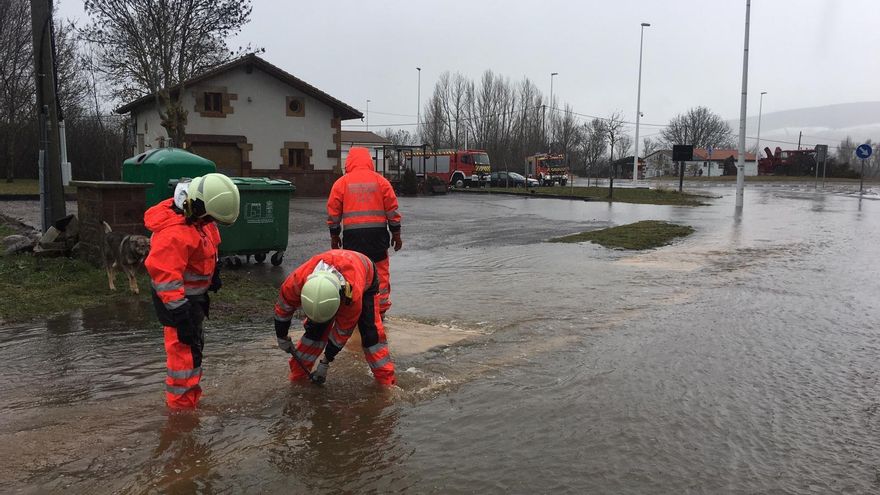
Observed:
{"x":296,"y":158}
{"x":213,"y":102}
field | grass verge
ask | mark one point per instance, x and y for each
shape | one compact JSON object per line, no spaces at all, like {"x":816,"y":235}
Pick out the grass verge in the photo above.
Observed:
{"x":647,"y":234}
{"x":40,"y":287}
{"x":621,"y":195}
{"x":25,"y":186}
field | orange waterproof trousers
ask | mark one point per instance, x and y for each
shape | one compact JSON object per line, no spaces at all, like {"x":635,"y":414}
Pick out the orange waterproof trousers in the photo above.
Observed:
{"x":184,"y":363}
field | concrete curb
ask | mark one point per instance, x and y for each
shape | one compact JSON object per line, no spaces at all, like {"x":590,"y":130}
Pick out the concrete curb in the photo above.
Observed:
{"x":551,"y":196}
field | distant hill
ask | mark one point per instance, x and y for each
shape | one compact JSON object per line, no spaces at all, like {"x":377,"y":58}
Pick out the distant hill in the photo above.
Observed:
{"x":820,"y":125}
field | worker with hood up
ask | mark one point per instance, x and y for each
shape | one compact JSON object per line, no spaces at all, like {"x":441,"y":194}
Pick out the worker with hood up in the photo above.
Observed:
{"x":362,"y":207}
{"x":182,"y":265}
{"x":337,"y":290}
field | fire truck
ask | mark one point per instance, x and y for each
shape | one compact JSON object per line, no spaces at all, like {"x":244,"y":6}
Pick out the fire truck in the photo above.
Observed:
{"x":787,"y":162}
{"x":459,"y":168}
{"x":549,"y":169}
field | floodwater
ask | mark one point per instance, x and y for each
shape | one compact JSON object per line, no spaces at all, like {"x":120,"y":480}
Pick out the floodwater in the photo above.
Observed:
{"x":743,"y":359}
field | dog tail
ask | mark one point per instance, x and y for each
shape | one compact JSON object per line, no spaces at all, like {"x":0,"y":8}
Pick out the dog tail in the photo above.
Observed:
{"x":107,"y":228}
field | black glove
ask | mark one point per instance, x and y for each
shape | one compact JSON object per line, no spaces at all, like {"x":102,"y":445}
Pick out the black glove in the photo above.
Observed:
{"x":216,"y":283}
{"x":281,"y":330}
{"x":186,"y":327}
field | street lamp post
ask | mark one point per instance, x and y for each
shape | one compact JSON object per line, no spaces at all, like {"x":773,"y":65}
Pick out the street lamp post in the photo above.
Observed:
{"x":741,"y":151}
{"x":758,"y":142}
{"x":550,"y":142}
{"x":368,"y":114}
{"x":639,"y":104}
{"x":419,"y":103}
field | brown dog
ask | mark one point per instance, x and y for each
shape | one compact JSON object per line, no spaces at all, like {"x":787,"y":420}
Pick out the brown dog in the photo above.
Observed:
{"x":124,"y":251}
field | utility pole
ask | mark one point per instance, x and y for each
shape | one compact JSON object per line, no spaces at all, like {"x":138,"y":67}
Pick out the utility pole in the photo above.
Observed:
{"x":800,"y":134}
{"x":741,"y":151}
{"x":51,"y":190}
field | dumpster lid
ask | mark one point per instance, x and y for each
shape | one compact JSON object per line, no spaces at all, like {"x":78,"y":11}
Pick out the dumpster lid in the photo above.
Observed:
{"x":257,"y":183}
{"x":167,"y":156}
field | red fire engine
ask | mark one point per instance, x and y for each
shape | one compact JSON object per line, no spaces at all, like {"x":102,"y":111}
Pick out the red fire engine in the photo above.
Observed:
{"x":458,"y":168}
{"x":549,"y":169}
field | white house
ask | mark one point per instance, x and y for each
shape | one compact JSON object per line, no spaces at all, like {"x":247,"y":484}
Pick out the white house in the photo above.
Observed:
{"x":660,"y":163}
{"x":365,"y":139}
{"x":254,"y":119}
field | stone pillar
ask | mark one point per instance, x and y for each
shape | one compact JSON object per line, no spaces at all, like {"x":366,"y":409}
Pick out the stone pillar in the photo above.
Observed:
{"x":120,"y":204}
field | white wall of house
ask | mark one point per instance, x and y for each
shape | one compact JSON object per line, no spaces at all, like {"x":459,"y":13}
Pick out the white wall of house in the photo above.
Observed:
{"x":260,"y":114}
{"x":149,"y":126}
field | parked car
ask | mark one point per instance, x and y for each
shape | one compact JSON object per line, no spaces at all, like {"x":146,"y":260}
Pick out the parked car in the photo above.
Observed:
{"x":510,"y":179}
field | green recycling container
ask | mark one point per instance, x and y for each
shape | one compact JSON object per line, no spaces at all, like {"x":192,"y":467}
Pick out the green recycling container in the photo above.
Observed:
{"x":262,"y":224}
{"x":162,"y":165}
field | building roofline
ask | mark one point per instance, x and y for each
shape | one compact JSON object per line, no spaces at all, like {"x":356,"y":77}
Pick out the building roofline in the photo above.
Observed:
{"x":346,"y":112}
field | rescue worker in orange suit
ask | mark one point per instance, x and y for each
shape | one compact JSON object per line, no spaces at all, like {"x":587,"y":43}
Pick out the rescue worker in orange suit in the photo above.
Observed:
{"x":182,"y":265}
{"x":338,"y":290}
{"x":361,"y":211}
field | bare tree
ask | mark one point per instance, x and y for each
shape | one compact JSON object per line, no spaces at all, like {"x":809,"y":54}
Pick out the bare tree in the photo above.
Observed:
{"x":648,"y":146}
{"x":399,"y":136}
{"x":624,"y":145}
{"x":613,"y":129}
{"x":16,"y":86}
{"x":700,"y":127}
{"x":593,"y":147}
{"x":148,"y":47}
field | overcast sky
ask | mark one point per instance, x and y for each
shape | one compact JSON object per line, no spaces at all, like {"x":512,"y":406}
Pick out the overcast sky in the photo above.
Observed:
{"x":804,"y":53}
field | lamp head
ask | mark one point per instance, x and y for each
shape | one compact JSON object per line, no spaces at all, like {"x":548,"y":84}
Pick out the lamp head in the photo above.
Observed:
{"x":645,"y":24}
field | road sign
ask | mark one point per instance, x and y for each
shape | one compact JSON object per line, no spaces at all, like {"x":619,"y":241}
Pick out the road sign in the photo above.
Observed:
{"x":682,"y":152}
{"x":821,"y":152}
{"x":864,"y":151}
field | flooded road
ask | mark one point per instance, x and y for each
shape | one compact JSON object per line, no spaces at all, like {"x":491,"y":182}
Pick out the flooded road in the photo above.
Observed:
{"x":742,"y":359}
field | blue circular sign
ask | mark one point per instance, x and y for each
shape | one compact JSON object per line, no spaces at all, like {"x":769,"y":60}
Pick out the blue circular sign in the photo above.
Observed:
{"x":864,"y":151}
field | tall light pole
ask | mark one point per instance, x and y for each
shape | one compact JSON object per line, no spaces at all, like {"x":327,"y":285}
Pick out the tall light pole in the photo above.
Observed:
{"x":758,"y":143}
{"x":419,"y":103}
{"x":368,"y":114}
{"x":550,"y":143}
{"x":741,"y":159}
{"x":639,"y":104}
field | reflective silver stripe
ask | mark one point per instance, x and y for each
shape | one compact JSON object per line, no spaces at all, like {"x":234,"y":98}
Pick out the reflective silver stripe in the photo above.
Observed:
{"x":174,"y":284}
{"x":176,"y":390}
{"x":284,"y":318}
{"x":194,"y":291}
{"x":364,"y":213}
{"x":283,"y":305}
{"x":384,"y":301}
{"x":382,"y":362}
{"x":336,"y":342}
{"x":192,"y":276}
{"x":365,"y":261}
{"x":183,"y":374}
{"x":373,"y":349}
{"x":393,"y":223}
{"x":346,"y":333}
{"x":367,"y":225}
{"x":308,"y":358}
{"x":384,"y":291}
{"x":391,"y":214}
{"x":175,"y":304}
{"x":311,"y":343}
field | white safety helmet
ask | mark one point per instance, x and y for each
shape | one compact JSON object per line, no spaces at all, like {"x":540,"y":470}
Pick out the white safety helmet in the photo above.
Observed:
{"x":321,"y":294}
{"x":213,"y":195}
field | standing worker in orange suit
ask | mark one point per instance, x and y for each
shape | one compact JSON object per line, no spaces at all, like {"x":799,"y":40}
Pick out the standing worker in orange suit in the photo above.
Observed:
{"x":362,"y":207}
{"x":337,"y":290}
{"x":183,"y":267}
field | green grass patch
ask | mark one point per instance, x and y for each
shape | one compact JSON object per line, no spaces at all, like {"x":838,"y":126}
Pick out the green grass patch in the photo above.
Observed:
{"x":647,"y":234}
{"x":621,"y":195}
{"x":40,"y":287}
{"x":25,"y":186}
{"x":6,"y":230}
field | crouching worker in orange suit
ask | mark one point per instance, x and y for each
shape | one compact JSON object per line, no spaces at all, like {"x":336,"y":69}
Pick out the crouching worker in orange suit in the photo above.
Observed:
{"x":183,"y":266}
{"x":337,"y":290}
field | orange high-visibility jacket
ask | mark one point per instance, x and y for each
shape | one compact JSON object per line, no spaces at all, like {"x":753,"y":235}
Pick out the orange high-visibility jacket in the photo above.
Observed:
{"x":182,"y":256}
{"x":363,"y":206}
{"x":357,"y":270}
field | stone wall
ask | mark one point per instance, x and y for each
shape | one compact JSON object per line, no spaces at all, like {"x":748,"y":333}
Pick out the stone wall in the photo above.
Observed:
{"x":120,"y":204}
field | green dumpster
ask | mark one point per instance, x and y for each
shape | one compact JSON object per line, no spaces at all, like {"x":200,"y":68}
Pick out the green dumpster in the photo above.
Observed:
{"x":262,"y":223}
{"x":161,"y":165}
